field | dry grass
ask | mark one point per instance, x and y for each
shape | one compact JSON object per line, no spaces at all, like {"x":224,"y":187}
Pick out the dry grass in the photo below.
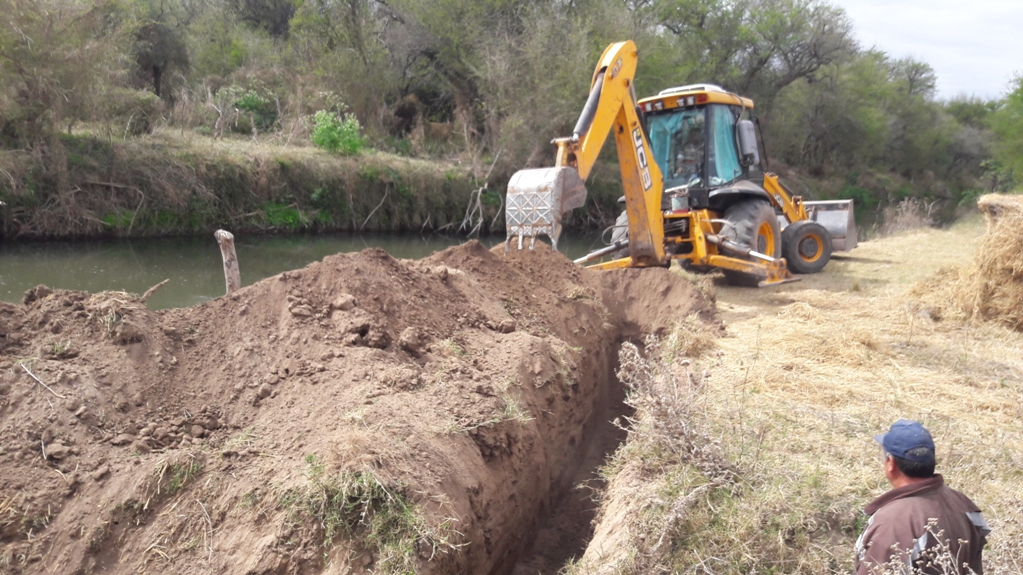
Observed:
{"x":687,"y":339}
{"x":991,"y":289}
{"x":801,"y":388}
{"x":806,"y":375}
{"x":909,"y":214}
{"x":648,"y":506}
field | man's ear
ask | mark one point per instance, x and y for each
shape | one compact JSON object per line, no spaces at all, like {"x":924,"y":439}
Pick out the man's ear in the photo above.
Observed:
{"x":891,"y":471}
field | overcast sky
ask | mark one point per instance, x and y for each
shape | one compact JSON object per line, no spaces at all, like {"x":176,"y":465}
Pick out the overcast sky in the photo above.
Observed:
{"x":975,"y":46}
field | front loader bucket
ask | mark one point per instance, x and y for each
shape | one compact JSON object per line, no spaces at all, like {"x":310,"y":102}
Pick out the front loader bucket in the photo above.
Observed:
{"x":537,"y":199}
{"x":838,"y":218}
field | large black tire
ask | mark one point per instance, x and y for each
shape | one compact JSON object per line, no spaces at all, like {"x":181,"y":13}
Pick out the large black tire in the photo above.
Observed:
{"x":752,"y":223}
{"x":806,"y":246}
{"x":620,"y":232}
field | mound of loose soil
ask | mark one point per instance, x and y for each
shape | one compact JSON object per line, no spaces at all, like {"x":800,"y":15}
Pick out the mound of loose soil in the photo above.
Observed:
{"x":474,"y":385}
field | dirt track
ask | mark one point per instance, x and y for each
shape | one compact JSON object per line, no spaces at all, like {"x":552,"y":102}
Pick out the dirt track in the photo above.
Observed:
{"x":476,"y":385}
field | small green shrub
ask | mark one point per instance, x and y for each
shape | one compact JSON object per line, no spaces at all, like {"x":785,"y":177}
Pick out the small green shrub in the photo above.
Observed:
{"x":131,"y":112}
{"x":180,"y":474}
{"x":284,"y":216}
{"x":240,"y":125}
{"x":337,"y":135}
{"x":968,"y":197}
{"x":491,"y":198}
{"x":259,"y":106}
{"x":320,"y":198}
{"x":357,"y":505}
{"x":118,"y":220}
{"x":403,"y":147}
{"x":864,"y":201}
{"x":324,"y":218}
{"x":236,"y":54}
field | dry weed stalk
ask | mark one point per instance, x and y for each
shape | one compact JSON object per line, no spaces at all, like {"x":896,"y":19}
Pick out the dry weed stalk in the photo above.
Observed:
{"x":909,"y":214}
{"x":667,"y":407}
{"x":666,"y":397}
{"x":1005,"y":558}
{"x":936,"y":560}
{"x":474,"y":217}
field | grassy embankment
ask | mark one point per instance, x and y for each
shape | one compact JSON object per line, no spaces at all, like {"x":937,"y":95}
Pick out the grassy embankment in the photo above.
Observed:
{"x":763,"y":465}
{"x":178,"y":182}
{"x":174,"y":183}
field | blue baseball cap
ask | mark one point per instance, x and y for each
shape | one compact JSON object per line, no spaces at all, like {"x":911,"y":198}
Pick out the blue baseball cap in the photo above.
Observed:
{"x":905,"y":435}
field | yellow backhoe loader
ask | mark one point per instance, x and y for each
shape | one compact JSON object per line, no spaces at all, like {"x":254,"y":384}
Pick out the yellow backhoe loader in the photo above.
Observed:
{"x":694,"y":183}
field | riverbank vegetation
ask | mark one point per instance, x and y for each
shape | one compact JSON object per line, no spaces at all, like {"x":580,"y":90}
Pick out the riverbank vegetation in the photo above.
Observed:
{"x":130,"y":117}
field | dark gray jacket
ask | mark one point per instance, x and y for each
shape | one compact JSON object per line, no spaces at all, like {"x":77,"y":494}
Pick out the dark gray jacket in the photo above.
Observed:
{"x":909,"y":525}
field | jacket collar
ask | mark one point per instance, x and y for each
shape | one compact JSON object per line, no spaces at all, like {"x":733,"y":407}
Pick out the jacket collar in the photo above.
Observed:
{"x":910,"y":490}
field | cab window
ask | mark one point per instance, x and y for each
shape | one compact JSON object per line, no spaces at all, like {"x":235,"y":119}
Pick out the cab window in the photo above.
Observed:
{"x":695,"y":147}
{"x":678,"y":142}
{"x":723,"y":157}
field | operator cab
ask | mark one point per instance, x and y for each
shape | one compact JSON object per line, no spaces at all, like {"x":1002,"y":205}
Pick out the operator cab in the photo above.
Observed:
{"x":694,"y":139}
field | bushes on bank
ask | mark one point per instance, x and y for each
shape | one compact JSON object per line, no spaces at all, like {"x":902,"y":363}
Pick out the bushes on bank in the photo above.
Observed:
{"x":337,"y":135}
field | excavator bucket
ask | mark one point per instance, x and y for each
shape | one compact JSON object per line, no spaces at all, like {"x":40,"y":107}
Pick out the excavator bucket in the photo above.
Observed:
{"x":838,"y":218}
{"x":536,"y":201}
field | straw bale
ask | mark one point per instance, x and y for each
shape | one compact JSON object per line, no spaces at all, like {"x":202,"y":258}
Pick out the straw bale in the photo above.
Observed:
{"x":993,"y":205}
{"x":991,"y":287}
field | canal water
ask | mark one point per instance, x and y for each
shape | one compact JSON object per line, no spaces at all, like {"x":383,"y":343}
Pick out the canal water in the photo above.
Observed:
{"x":193,"y":264}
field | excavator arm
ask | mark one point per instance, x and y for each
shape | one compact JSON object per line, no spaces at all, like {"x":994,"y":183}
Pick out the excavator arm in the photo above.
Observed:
{"x":538,"y":198}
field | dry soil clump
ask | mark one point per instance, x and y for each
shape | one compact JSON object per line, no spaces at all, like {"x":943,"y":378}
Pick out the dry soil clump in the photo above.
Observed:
{"x":362,"y":414}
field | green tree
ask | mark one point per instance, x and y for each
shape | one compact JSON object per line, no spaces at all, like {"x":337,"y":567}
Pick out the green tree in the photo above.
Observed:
{"x":756,"y":47}
{"x":152,"y":34}
{"x":1007,"y":125}
{"x":971,"y":142}
{"x":274,"y":16}
{"x":971,"y":110}
{"x":52,"y":64}
{"x":157,"y":48}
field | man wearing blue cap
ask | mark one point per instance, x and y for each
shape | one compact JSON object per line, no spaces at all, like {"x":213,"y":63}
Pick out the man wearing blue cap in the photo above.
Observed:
{"x":920,"y":526}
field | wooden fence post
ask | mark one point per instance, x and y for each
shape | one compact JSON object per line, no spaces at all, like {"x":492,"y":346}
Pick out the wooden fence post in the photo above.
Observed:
{"x":231,"y":273}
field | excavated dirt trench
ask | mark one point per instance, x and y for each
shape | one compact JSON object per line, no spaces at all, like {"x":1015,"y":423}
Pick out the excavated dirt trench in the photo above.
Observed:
{"x":478,"y":384}
{"x":565,"y":529}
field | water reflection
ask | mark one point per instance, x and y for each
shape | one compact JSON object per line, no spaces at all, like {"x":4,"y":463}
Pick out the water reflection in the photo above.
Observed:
{"x":193,"y":263}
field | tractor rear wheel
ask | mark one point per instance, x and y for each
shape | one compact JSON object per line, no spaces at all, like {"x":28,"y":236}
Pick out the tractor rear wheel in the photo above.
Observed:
{"x":806,"y":246}
{"x":752,"y":223}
